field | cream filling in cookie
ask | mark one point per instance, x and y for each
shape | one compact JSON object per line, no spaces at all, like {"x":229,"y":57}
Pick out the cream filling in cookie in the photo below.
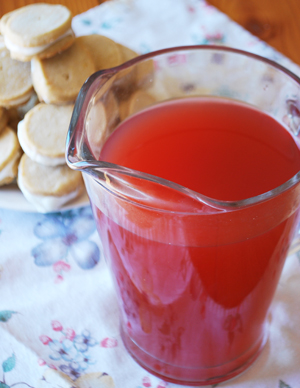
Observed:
{"x":34,"y":154}
{"x":20,"y":100}
{"x":8,"y":171}
{"x":33,"y":50}
{"x":46,"y":203}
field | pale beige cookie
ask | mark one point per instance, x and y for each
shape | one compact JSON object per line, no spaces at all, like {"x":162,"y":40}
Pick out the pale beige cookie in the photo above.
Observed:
{"x":10,"y":153}
{"x":100,"y":120}
{"x":95,"y":380}
{"x":48,"y":188}
{"x":3,"y":118}
{"x":138,"y":100}
{"x":43,"y":131}
{"x":15,"y":81}
{"x":126,"y":53}
{"x":54,"y":378}
{"x":105,"y":52}
{"x":40,"y":29}
{"x":57,"y":80}
{"x":4,"y":19}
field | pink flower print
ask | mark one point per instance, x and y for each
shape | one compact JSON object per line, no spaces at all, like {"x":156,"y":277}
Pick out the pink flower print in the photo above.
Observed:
{"x":56,"y":326}
{"x":162,"y":384}
{"x":60,"y":266}
{"x":176,"y":59}
{"x":156,"y":65}
{"x":109,"y":343}
{"x":70,"y":334}
{"x":146,"y":381}
{"x":41,"y":362}
{"x":45,"y":339}
{"x":58,"y":279}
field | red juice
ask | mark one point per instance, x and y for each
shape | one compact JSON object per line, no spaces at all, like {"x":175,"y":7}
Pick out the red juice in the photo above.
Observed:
{"x":195,"y":284}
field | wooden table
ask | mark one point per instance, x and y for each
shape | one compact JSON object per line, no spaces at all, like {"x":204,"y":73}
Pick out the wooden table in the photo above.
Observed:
{"x":275,"y":21}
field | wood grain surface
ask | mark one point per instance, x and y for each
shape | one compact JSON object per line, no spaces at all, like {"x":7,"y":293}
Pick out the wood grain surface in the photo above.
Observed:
{"x":76,"y":6}
{"x":275,"y":21}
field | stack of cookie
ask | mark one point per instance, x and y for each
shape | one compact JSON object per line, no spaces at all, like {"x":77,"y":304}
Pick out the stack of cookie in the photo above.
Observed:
{"x":42,"y":68}
{"x":38,"y":32}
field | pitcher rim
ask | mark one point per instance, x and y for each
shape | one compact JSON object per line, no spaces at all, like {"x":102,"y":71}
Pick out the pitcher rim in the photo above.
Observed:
{"x":215,"y":203}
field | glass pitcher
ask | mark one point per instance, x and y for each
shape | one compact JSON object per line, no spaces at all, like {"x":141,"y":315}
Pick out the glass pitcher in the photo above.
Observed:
{"x":194,"y":275}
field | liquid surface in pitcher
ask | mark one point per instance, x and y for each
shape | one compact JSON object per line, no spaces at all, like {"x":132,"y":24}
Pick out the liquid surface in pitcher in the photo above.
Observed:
{"x":217,"y":147}
{"x":195,"y":312}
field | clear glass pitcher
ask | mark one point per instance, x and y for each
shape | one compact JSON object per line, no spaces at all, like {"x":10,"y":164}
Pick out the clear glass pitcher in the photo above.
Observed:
{"x":194,"y":275}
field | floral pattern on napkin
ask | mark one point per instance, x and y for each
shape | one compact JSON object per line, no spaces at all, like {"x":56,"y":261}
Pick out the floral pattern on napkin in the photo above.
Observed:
{"x":65,"y":240}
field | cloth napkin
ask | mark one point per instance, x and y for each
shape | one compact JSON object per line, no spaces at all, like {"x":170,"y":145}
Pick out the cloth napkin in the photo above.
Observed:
{"x":58,"y":310}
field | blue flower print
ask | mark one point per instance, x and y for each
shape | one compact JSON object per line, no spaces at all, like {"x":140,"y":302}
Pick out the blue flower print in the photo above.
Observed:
{"x":70,"y":371}
{"x":66,"y":234}
{"x":76,"y":366}
{"x":81,"y":362}
{"x":84,"y":341}
{"x":62,"y":351}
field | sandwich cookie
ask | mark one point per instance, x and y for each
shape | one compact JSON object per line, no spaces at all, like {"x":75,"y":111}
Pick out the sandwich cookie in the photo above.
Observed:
{"x":48,"y":188}
{"x":10,"y":153}
{"x":105,"y":52}
{"x":43,"y":131}
{"x":58,"y":80}
{"x":15,"y":81}
{"x":41,"y":30}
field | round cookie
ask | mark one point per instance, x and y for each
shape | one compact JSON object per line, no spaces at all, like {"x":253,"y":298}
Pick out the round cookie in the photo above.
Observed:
{"x":15,"y":80}
{"x":48,"y":188}
{"x":10,"y":152}
{"x":95,"y":380}
{"x":55,"y":378}
{"x":43,"y":131}
{"x":40,"y":29}
{"x":105,"y":52}
{"x":58,"y":80}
